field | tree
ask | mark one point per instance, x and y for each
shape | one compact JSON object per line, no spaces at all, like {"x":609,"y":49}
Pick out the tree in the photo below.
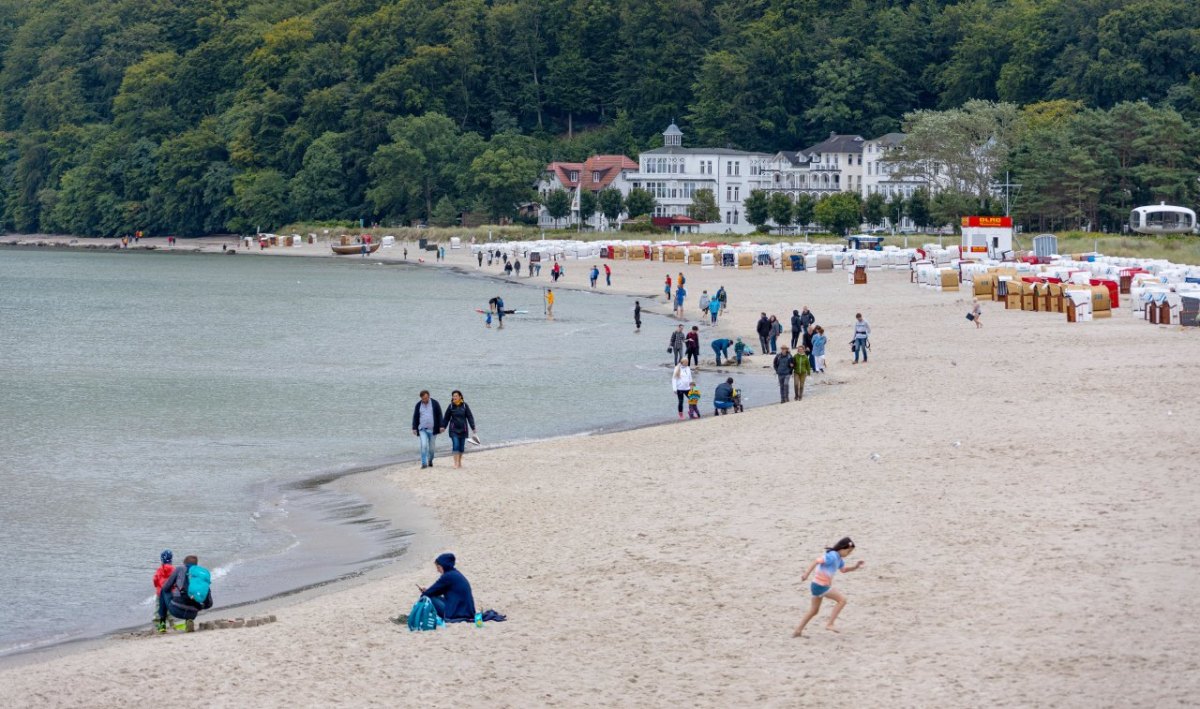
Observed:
{"x":504,"y":179}
{"x":558,"y":204}
{"x":781,"y":210}
{"x":895,"y":210}
{"x":639,"y":202}
{"x":587,"y":205}
{"x":918,"y":208}
{"x":704,"y":207}
{"x":260,"y":201}
{"x":421,"y":163}
{"x":839,"y":212}
{"x":611,"y":204}
{"x":319,"y":189}
{"x":444,"y":214}
{"x":804,"y":210}
{"x":873,"y":209}
{"x":757,"y":207}
{"x":948,"y":207}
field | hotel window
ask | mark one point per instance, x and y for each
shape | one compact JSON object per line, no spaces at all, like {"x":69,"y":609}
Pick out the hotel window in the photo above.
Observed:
{"x":573,"y":176}
{"x":595,"y":176}
{"x":735,"y":216}
{"x":729,"y":168}
{"x":736,"y":195}
{"x":737,"y":169}
{"x":728,"y":217}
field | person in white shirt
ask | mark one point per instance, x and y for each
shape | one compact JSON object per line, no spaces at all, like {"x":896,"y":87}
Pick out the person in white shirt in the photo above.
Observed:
{"x":861,"y":332}
{"x":681,"y":381}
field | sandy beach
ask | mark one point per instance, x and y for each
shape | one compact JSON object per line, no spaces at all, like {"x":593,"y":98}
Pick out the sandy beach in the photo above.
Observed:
{"x":1024,"y":497}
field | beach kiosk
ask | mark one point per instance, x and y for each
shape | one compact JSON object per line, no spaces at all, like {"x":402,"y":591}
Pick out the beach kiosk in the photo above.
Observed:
{"x":986,"y":237}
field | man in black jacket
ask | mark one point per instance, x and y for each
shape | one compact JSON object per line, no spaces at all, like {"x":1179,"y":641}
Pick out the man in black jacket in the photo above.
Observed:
{"x":784,"y":366}
{"x":764,"y":334}
{"x":426,"y":423}
{"x":797,"y":328}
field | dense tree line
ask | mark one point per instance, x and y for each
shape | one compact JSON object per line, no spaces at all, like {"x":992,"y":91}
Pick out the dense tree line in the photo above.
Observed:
{"x":208,"y":115}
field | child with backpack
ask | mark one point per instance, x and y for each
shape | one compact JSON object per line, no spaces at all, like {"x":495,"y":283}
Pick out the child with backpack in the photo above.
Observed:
{"x":161,"y":574}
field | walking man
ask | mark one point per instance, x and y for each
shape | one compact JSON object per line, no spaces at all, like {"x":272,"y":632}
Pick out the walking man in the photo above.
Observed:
{"x":764,"y":334}
{"x":426,"y":422}
{"x":862,"y":331}
{"x":607,"y":275}
{"x":677,"y":343}
{"x":783,"y":366}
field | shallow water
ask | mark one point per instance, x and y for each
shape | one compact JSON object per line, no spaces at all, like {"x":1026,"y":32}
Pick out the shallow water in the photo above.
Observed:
{"x":181,"y":401}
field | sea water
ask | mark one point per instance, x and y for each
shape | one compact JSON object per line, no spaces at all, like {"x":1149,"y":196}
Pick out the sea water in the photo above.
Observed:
{"x":195,"y":402}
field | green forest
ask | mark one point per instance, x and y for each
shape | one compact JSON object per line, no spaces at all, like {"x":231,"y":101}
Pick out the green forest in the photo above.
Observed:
{"x":210,"y":116}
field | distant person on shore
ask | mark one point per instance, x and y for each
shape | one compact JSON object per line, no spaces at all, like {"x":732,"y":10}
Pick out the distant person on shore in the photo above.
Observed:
{"x":704,"y":303}
{"x":764,"y":334}
{"x":681,"y":382}
{"x":782,"y":364}
{"x":720,"y":348}
{"x":677,"y":343}
{"x":531,"y":269}
{"x":517,"y":267}
{"x":807,"y":319}
{"x":405,"y":253}
{"x":692,"y":345}
{"x":861,"y":343}
{"x":549,"y":304}
{"x":497,"y":304}
{"x":451,"y":593}
{"x":714,"y":307}
{"x":818,"y":349}
{"x":976,"y":313}
{"x":797,"y":328}
{"x":739,"y":350}
{"x":681,"y":279}
{"x":607,"y":275}
{"x":161,"y":574}
{"x":827,"y":566}
{"x":723,"y":398}
{"x":722,"y":297}
{"x":667,"y":287}
{"x":593,"y":275}
{"x":426,"y":425}
{"x":680,"y":297}
{"x":637,"y":316}
{"x":776,"y":331}
{"x":507,"y":268}
{"x":186,"y":592}
{"x":801,"y":368}
{"x":479,"y":258}
{"x":459,"y":423}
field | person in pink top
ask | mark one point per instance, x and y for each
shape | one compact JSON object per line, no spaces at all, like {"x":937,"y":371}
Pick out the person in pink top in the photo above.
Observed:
{"x":827,"y":566}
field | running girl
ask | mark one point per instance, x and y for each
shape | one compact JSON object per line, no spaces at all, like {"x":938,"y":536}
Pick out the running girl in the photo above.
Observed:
{"x":827,"y":566}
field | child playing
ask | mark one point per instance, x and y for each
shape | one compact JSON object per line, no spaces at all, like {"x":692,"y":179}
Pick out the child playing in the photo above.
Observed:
{"x":737,"y":401}
{"x":827,"y":566}
{"x":160,"y":575}
{"x":739,"y":349}
{"x":487,"y":319}
{"x":693,"y":397}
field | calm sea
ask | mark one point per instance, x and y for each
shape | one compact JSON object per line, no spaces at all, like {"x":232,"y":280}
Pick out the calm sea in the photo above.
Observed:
{"x":187,"y":401}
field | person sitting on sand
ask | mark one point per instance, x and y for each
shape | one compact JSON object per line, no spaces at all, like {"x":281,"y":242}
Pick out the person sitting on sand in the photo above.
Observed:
{"x":451,"y":593}
{"x":827,"y":566}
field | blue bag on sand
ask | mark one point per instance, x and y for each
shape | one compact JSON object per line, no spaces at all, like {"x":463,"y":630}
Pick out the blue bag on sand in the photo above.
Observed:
{"x":423,"y":616}
{"x":198,"y":582}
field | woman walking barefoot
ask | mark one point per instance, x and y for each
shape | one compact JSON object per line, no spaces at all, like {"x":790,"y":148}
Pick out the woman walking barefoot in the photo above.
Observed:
{"x":827,"y":566}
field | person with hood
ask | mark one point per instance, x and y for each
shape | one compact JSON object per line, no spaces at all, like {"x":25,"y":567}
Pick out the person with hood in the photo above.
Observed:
{"x":174,"y":598}
{"x":739,"y":350}
{"x":426,"y":425}
{"x":764,"y":334}
{"x":723,"y":397}
{"x":161,"y":574}
{"x":451,"y":593}
{"x":783,"y":366}
{"x":722,"y":297}
{"x":807,"y":319}
{"x":797,"y":328}
{"x":459,"y":423}
{"x":714,"y":307}
{"x":704,"y":303}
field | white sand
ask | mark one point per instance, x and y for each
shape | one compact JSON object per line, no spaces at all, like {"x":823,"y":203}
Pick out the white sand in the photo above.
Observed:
{"x":1047,"y":561}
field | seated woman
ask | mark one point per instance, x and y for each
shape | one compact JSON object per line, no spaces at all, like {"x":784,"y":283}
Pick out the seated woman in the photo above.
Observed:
{"x":451,"y":593}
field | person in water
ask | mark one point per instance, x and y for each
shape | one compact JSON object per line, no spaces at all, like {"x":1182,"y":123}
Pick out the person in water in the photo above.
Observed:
{"x":451,"y":593}
{"x":827,"y":566}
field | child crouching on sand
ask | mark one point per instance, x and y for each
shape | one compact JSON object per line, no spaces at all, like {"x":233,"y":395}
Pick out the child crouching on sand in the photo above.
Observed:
{"x":693,"y":397}
{"x":827,"y":566}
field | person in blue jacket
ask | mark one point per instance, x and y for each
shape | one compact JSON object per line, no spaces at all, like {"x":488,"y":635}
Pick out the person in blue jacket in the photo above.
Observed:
{"x":451,"y":593}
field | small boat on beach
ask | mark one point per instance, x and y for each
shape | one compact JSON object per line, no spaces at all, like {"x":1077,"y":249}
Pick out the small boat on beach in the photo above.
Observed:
{"x":350,"y":249}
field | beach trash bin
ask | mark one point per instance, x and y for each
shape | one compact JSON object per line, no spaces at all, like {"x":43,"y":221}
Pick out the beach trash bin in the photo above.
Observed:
{"x":797,"y":262}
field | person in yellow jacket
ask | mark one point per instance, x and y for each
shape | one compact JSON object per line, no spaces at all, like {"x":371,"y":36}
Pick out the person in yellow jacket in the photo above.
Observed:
{"x":549,"y":304}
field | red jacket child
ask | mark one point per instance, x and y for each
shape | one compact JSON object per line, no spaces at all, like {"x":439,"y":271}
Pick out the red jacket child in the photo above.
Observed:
{"x":163,"y":571}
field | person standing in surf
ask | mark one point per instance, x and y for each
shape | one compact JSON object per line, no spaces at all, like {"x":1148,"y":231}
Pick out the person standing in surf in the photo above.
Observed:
{"x":637,"y":316}
{"x":827,"y":566}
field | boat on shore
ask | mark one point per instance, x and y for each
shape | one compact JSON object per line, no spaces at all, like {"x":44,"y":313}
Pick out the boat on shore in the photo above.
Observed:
{"x":350,"y":249}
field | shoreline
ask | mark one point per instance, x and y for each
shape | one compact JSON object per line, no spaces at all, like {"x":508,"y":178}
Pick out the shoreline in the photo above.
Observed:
{"x":965,"y":463}
{"x":353,"y":479}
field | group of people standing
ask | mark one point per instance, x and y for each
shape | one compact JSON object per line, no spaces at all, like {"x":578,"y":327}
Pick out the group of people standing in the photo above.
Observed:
{"x":428,"y":421}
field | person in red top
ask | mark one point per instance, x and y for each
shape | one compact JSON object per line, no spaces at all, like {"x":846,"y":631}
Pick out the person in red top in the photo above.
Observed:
{"x":160,"y":577}
{"x":607,"y":275}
